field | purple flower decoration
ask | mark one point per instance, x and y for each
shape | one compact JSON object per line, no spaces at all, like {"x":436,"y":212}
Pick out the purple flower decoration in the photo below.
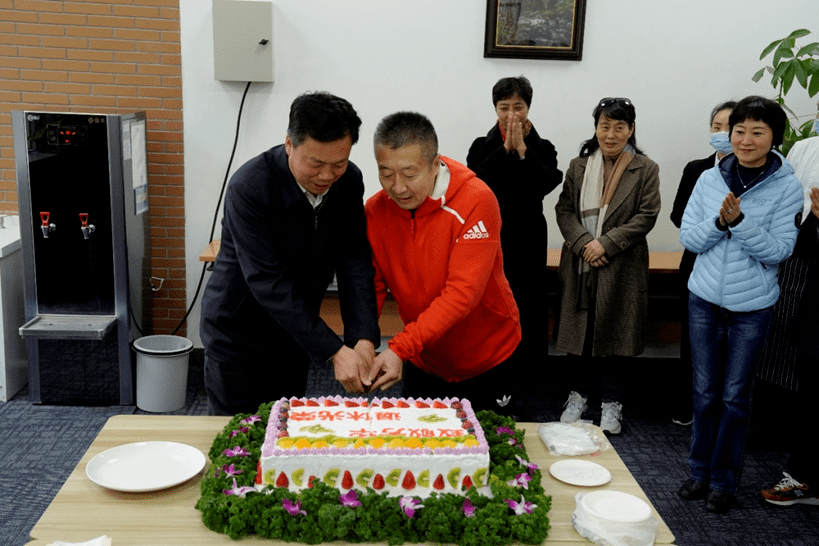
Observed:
{"x":350,"y":499}
{"x":468,"y":509}
{"x":409,"y":505}
{"x":529,"y":466}
{"x":236,"y":432}
{"x":504,"y":430}
{"x":238,"y":491}
{"x":512,"y":441}
{"x":237,"y":451}
{"x":230,"y":470}
{"x":521,"y":480}
{"x":522,"y":507}
{"x":293,"y":509}
{"x":250,"y":420}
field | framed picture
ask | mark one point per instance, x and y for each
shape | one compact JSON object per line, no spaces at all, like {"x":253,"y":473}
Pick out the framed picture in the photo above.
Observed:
{"x":535,"y":29}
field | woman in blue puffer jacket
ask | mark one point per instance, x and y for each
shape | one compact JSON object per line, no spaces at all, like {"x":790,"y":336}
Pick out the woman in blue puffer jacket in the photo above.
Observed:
{"x":741,"y":221}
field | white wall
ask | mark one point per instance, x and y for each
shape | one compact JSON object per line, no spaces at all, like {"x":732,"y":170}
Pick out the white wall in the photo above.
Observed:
{"x":675,"y":60}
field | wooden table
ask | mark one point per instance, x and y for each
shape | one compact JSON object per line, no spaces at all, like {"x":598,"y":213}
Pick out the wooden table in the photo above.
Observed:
{"x":82,"y":510}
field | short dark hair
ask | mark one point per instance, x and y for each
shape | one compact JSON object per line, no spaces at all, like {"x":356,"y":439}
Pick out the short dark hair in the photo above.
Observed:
{"x":760,"y":109}
{"x":618,"y":109}
{"x":727,"y":105}
{"x":322,"y":117}
{"x":507,"y":88}
{"x":404,"y":129}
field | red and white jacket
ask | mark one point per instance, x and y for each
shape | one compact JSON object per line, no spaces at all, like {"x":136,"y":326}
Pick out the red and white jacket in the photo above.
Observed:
{"x":443,"y":265}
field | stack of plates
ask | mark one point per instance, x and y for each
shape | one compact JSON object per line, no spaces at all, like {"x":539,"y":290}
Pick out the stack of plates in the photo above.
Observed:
{"x":615,"y":518}
{"x":616,"y":506}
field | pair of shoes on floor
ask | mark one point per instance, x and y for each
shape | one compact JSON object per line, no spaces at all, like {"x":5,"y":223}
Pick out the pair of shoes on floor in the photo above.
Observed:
{"x":789,"y":491}
{"x":612,"y":413}
{"x":716,"y":501}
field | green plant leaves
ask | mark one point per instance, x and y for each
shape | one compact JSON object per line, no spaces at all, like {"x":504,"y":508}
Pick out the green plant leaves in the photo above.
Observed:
{"x":789,"y":64}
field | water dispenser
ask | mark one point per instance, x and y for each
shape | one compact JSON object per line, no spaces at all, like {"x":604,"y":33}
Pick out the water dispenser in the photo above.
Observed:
{"x":82,"y":189}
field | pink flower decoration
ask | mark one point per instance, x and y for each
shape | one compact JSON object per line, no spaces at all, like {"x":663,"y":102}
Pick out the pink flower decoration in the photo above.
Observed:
{"x":238,"y":491}
{"x":409,"y":505}
{"x":250,"y":420}
{"x":237,"y":451}
{"x":521,"y":480}
{"x":468,"y":509}
{"x":504,"y":430}
{"x":350,"y":499}
{"x":529,"y":466}
{"x":293,"y":509}
{"x":512,"y":442}
{"x":236,"y":432}
{"x":522,"y":507}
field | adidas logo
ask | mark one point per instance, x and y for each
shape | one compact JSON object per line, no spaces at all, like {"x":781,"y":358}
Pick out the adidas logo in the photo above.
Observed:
{"x":478,"y":231}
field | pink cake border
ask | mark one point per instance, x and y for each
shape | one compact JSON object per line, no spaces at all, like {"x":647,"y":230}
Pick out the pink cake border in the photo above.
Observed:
{"x":269,"y":448}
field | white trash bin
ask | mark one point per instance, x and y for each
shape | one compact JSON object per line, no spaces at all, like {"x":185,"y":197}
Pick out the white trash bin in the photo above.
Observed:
{"x":162,"y":372}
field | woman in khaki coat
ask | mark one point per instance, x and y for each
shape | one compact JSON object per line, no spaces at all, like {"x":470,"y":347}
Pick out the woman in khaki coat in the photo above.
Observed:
{"x":609,"y":202}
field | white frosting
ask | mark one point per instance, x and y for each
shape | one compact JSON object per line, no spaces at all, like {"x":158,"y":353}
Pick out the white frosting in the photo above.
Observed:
{"x":434,"y":469}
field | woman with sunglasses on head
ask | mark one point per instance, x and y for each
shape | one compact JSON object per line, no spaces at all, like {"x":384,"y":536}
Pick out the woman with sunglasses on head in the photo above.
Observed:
{"x":609,"y":202}
{"x":521,"y":169}
{"x":741,"y":221}
{"x":720,"y":141}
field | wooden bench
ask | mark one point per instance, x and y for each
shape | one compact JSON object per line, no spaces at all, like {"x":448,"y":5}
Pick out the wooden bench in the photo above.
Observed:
{"x":665,"y":328}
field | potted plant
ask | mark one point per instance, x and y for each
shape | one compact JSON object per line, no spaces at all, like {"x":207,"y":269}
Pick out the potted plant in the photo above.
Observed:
{"x":791,"y":64}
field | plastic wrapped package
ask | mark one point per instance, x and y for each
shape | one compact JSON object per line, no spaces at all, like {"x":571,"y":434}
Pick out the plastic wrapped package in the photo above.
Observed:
{"x":572,"y":439}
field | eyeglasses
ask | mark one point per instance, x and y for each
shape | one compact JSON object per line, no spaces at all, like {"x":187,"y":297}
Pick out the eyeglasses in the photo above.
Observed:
{"x":608,"y":101}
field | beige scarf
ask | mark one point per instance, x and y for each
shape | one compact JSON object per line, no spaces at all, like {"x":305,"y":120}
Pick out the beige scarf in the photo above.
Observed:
{"x":599,"y":186}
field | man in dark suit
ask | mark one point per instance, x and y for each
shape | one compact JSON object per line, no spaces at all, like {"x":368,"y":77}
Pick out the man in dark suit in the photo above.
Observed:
{"x":293,"y":217}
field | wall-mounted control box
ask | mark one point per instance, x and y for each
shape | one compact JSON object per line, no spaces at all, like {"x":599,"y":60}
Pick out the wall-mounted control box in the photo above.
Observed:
{"x":243,"y":40}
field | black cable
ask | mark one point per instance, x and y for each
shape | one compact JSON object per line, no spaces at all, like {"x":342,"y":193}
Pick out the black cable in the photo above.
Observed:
{"x":216,"y":213}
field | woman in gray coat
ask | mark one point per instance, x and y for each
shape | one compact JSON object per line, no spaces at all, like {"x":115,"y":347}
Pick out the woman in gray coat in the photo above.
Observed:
{"x":609,"y":202}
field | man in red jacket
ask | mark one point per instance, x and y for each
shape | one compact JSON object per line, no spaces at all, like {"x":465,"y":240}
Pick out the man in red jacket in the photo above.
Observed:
{"x":435,"y":235}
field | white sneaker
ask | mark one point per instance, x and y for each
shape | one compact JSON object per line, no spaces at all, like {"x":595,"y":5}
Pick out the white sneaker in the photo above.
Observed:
{"x":575,"y":406}
{"x":611,"y":417}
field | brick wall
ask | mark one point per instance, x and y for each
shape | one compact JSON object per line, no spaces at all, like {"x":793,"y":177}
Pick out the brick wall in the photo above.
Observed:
{"x":106,"y":56}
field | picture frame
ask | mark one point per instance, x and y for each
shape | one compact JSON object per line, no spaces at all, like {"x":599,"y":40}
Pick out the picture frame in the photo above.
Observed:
{"x":535,"y":29}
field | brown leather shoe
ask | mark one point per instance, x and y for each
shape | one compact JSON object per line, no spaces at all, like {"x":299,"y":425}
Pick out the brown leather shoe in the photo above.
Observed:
{"x":693,"y":490}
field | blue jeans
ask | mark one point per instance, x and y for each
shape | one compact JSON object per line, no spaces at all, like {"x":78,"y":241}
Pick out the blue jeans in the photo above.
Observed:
{"x":725,"y":348}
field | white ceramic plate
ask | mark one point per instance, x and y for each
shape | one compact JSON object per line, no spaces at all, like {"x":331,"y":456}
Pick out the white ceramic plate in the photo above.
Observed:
{"x":616,"y":506}
{"x":145,"y":466}
{"x":580,"y":472}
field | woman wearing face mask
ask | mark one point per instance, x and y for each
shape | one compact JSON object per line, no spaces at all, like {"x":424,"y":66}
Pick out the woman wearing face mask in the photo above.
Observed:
{"x":521,"y":168}
{"x":682,"y":414}
{"x":741,"y":221}
{"x":609,"y":202}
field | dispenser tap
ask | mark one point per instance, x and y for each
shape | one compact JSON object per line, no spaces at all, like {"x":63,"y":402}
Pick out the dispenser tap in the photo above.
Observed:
{"x":46,"y":226}
{"x":86,"y":228}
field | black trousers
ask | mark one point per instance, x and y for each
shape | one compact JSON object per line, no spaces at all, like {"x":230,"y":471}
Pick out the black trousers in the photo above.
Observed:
{"x":598,"y":378}
{"x":241,"y":388}
{"x":494,"y":389}
{"x":802,"y":464}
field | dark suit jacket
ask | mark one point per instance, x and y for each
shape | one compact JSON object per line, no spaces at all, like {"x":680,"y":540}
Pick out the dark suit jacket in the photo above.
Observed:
{"x":276,"y":260}
{"x":520,"y":186}
{"x":691,"y":174}
{"x":805,"y":335}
